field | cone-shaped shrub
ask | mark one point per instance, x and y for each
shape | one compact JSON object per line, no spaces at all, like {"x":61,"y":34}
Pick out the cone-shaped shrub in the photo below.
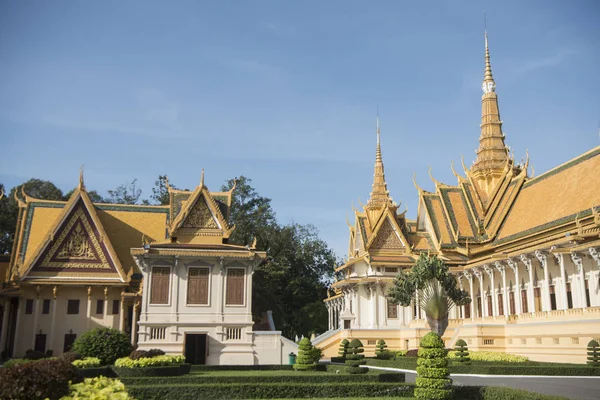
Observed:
{"x":343,"y":350}
{"x":462,"y":352}
{"x":304,"y":361}
{"x":432,"y":370}
{"x":355,"y":358}
{"x":593,"y":352}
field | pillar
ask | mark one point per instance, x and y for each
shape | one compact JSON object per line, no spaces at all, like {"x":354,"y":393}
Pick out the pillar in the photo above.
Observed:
{"x":134,"y":322}
{"x":53,"y":318}
{"x":563,"y":281}
{"x":17,"y":325}
{"x":517,"y":290}
{"x":122,"y":314}
{"x":472,"y":293}
{"x":546,"y":304}
{"x":578,"y":261}
{"x":105,"y":310}
{"x":4,"y":327}
{"x":505,"y":303}
{"x":221,"y":297}
{"x":490,"y":272}
{"x":530,"y":303}
{"x":479,"y":276}
{"x":36,"y":312}
{"x":89,"y":308}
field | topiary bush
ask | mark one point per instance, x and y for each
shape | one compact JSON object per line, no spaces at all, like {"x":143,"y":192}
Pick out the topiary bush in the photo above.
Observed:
{"x":304,"y":361}
{"x":432,"y":370}
{"x":43,"y":379}
{"x":462,"y":352}
{"x":315,"y":355}
{"x":380,"y":350}
{"x":343,"y":350}
{"x":593,"y":352}
{"x":355,"y":358}
{"x":137,"y":354}
{"x":104,"y":343}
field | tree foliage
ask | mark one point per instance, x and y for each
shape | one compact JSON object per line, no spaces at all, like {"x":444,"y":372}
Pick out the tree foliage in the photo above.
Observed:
{"x":305,"y":360}
{"x":426,"y":268}
{"x":160,"y":191}
{"x":297,"y":261}
{"x":127,"y":193}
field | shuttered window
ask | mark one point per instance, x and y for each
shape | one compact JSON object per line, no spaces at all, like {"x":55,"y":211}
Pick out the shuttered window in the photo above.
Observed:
{"x":524,"y":305}
{"x":392,"y":310}
{"x":197,"y":286}
{"x":159,"y":291}
{"x":235,"y":286}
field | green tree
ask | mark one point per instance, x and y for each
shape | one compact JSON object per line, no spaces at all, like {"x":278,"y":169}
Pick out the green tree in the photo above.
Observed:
{"x":94,"y":196}
{"x":462,"y":351}
{"x":9,"y":209}
{"x":128,"y":193}
{"x":160,"y":191}
{"x":297,"y":260}
{"x":380,"y":349}
{"x":437,"y":287}
{"x":432,"y":370}
{"x":305,"y":359}
{"x":593,"y":352}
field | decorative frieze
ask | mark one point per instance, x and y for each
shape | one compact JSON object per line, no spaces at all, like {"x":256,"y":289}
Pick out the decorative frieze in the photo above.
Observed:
{"x":578,"y":261}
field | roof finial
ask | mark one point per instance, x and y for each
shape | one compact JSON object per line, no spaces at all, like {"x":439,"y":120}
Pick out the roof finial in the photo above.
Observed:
{"x":81,"y":185}
{"x":488,"y":80}
{"x":202,"y":178}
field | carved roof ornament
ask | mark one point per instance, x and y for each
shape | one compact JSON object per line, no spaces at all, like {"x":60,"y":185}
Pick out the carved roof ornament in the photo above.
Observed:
{"x":489,"y":271}
{"x":478,"y":274}
{"x":468,"y":275}
{"x":501,"y":268}
{"x":595,"y":255}
{"x":541,"y":258}
{"x":578,"y":261}
{"x":527,"y":261}
{"x":512,"y":264}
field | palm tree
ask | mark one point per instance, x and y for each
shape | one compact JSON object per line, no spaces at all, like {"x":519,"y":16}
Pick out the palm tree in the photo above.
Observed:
{"x":437,"y":288}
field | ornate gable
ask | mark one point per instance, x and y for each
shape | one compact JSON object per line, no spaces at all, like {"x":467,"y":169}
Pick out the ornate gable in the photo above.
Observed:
{"x":387,"y":238}
{"x":200,"y":216}
{"x":77,"y":247}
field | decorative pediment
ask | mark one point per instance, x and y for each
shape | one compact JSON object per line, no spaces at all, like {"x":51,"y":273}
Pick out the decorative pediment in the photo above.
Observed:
{"x":200,"y":216}
{"x":77,"y":245}
{"x":387,"y":238}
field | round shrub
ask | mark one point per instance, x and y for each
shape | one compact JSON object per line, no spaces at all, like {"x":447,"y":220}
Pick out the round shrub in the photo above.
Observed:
{"x":355,"y":358}
{"x":462,"y":352}
{"x":88,"y":362}
{"x":104,"y":343}
{"x":305,"y":359}
{"x":70,"y":356}
{"x":44,"y":379}
{"x":95,"y":387}
{"x":432,"y":370}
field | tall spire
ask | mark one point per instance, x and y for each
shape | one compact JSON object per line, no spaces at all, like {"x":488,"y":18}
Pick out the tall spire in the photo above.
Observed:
{"x":379,"y":194}
{"x":492,"y":153}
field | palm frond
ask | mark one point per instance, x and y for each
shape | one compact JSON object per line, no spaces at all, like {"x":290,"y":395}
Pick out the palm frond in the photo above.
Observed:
{"x":434,"y":300}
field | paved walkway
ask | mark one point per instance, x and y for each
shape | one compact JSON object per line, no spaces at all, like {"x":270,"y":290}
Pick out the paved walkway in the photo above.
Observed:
{"x":579,"y":388}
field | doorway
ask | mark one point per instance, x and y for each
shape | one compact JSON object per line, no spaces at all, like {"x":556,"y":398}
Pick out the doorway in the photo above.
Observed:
{"x":196,"y":348}
{"x":40,"y":343}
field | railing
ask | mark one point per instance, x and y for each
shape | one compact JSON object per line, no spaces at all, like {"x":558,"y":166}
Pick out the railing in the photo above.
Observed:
{"x":325,"y":335}
{"x":233,"y":333}
{"x":158,"y":333}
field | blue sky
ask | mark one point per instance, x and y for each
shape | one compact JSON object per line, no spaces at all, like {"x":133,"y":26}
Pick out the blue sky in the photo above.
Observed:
{"x":285,"y":92}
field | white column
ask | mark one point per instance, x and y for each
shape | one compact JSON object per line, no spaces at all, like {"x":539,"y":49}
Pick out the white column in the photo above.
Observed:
{"x":122,"y":313}
{"x":490,"y":272}
{"x":221,"y":297}
{"x":578,"y":261}
{"x":36,"y":312}
{"x":594,"y":291}
{"x":469,"y":277}
{"x":563,"y":278}
{"x":357,"y":303}
{"x":505,"y":304}
{"x":528,"y":266}
{"x":136,"y":304}
{"x":89,"y":308}
{"x":418,"y":305}
{"x":105,"y":310}
{"x":4,"y":330}
{"x":249,"y":292}
{"x":175,"y":289}
{"x":479,"y":276}
{"x":517,"y":290}
{"x":374,"y":298}
{"x":17,"y":326}
{"x":53,"y":318}
{"x":547,"y":304}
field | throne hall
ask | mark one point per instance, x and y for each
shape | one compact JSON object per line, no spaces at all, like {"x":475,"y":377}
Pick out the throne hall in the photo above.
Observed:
{"x":527,"y":249}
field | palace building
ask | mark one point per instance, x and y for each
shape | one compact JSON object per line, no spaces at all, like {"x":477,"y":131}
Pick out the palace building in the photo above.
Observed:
{"x":526,"y":248}
{"x":164,"y":274}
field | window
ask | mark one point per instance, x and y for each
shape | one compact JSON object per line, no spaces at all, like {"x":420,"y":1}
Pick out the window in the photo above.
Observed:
{"x":116,"y":306}
{"x":40,"y":343}
{"x":235,"y":286}
{"x":391,"y":270}
{"x":537,"y":299}
{"x":587,"y":293}
{"x":198,"y":286}
{"x":371,"y":342}
{"x":346,"y":324}
{"x":392,"y":310}
{"x":479,"y":315}
{"x":233,"y":333}
{"x":524,"y":306}
{"x":99,"y":306}
{"x":569,"y":296}
{"x":500,"y":304}
{"x":511,"y":298}
{"x":46,"y":306}
{"x":29,"y":306}
{"x":552,"y":298}
{"x":490,"y":306}
{"x":468,"y":311}
{"x":159,"y":291}
{"x":73,"y":307}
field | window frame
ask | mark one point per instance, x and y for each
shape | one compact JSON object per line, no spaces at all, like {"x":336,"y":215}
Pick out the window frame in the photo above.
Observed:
{"x":170,"y":281}
{"x":208,"y":289}
{"x":98,"y":302}
{"x":117,"y":303}
{"x":390,"y":304}
{"x":73,"y":301}
{"x":44,"y":302}
{"x":244,"y":294}
{"x":28,"y":306}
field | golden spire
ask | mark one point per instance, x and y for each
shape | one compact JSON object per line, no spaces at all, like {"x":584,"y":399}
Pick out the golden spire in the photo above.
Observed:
{"x":81,"y":185}
{"x":492,"y":153}
{"x":379,"y":195}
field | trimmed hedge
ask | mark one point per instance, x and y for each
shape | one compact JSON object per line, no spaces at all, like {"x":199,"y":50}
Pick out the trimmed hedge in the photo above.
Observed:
{"x":270,"y":391}
{"x":231,"y":379}
{"x":168,"y":370}
{"x":96,"y":372}
{"x":355,"y":358}
{"x":524,"y":370}
{"x":498,"y":393}
{"x":305,"y":360}
{"x":266,"y":367}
